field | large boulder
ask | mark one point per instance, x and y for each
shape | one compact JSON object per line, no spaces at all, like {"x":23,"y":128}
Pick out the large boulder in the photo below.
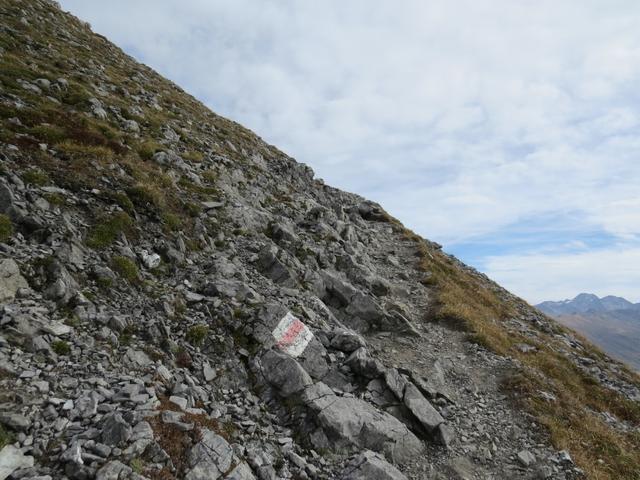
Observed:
{"x":413,"y":399}
{"x":360,"y":311}
{"x":284,"y":373}
{"x":351,"y":422}
{"x":10,"y":280}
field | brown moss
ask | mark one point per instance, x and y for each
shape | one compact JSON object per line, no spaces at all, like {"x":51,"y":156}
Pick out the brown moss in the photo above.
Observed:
{"x":177,"y":442}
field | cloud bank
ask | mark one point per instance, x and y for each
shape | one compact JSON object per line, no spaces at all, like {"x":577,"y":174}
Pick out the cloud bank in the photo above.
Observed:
{"x":508,"y":131}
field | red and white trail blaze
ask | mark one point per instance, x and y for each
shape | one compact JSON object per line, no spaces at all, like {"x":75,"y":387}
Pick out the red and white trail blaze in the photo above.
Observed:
{"x":292,"y":336}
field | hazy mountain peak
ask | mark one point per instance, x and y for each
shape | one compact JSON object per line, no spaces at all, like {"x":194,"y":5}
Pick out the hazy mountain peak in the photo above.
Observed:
{"x":611,"y":322}
{"x":586,"y":302}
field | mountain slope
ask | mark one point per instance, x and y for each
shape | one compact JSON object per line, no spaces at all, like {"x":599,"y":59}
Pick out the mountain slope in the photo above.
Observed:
{"x":611,"y":322}
{"x":182,"y":300}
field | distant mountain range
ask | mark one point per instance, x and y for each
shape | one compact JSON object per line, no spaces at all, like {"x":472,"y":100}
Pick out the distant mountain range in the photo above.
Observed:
{"x":613,"y":323}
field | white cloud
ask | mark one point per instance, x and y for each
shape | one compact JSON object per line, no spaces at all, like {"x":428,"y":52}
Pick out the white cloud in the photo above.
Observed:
{"x":462,"y":118}
{"x":539,"y":277}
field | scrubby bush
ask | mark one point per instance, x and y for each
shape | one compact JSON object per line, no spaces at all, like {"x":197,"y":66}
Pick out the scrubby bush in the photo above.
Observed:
{"x":126,"y":268}
{"x":60,"y":347}
{"x":197,"y":334}
{"x":172,"y":222}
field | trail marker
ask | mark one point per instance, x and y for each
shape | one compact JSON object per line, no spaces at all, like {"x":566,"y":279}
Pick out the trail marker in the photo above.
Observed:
{"x":292,"y":336}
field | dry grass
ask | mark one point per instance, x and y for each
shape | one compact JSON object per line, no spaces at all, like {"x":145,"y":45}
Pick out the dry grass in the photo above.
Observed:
{"x":177,"y":442}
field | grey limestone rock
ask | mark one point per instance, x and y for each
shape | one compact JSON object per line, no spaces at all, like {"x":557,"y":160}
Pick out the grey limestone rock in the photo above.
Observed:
{"x":10,"y":280}
{"x":347,"y":341}
{"x":284,"y":372}
{"x":351,"y":422}
{"x":371,"y":466}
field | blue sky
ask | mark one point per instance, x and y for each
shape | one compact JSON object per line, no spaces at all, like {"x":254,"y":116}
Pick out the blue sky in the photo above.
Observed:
{"x":507,"y":131}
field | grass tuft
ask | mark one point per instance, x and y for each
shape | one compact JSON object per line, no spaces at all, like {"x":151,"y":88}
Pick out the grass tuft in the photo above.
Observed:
{"x":6,"y":437}
{"x":60,"y":347}
{"x":35,"y":177}
{"x":107,"y":231}
{"x":6,"y":228}
{"x":197,"y":334}
{"x":126,"y":268}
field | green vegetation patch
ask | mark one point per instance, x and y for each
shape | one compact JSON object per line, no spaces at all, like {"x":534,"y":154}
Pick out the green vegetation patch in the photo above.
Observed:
{"x":60,"y":347}
{"x":148,"y":149}
{"x":6,"y":437}
{"x":6,"y":228}
{"x":126,"y":268}
{"x":105,"y":232}
{"x":171,"y":221}
{"x":35,"y":177}
{"x":197,"y":334}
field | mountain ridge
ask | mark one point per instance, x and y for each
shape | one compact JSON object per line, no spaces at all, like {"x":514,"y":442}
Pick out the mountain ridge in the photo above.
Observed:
{"x":150,"y":251}
{"x":611,"y":322}
{"x":585,"y":302}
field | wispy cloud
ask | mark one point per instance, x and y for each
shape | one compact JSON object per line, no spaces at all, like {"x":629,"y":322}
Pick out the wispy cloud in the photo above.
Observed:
{"x":465,"y":119}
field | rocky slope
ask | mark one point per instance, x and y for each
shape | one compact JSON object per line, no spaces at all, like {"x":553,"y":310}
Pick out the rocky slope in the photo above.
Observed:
{"x":182,"y":300}
{"x":612,"y":323}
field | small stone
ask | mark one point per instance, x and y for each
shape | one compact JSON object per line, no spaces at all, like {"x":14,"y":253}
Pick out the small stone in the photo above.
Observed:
{"x":132,"y":126}
{"x":150,"y":260}
{"x":526,"y":458}
{"x":114,"y":470}
{"x":208,"y":372}
{"x":73,"y":454}
{"x":179,"y":401}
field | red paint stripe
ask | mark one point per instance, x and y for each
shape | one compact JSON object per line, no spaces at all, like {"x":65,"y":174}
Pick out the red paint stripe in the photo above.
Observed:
{"x":291,"y":333}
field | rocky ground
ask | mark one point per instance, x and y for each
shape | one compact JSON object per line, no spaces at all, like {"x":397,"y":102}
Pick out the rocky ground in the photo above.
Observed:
{"x":208,"y":309}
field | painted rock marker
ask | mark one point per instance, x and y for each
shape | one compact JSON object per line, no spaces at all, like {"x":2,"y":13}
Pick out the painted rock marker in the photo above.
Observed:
{"x":292,"y":336}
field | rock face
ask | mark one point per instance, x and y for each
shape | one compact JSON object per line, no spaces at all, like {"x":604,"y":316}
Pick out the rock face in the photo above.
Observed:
{"x":199,"y":306}
{"x":10,"y":280}
{"x":348,"y":421}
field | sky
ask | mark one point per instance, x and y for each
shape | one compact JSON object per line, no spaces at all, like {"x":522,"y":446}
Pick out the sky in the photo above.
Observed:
{"x":506,"y":131}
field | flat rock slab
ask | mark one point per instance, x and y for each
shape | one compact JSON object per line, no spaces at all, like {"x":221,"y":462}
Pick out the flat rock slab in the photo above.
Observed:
{"x":372,"y":466}
{"x":428,"y":416}
{"x":350,"y":421}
